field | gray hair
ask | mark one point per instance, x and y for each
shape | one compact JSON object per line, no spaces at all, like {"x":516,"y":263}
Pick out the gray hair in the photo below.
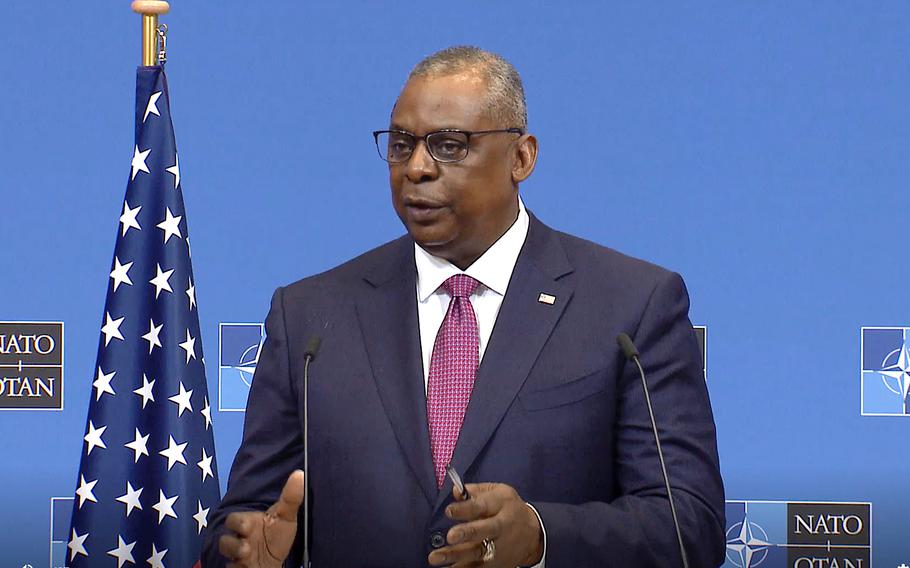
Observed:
{"x":505,"y":93}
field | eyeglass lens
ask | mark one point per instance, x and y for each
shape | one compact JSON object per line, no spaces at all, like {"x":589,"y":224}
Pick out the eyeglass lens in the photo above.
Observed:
{"x":443,"y":146}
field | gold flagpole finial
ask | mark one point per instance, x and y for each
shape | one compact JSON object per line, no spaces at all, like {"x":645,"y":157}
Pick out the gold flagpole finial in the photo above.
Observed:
{"x":150,"y":10}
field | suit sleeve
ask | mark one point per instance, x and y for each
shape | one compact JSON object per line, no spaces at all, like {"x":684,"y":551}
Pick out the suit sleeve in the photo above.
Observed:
{"x":636,"y":529}
{"x":272,"y":445}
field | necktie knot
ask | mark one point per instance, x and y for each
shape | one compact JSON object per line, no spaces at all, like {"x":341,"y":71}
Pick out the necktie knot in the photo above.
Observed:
{"x":460,"y":286}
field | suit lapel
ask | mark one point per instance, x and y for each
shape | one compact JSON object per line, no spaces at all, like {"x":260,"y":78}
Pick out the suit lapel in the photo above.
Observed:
{"x":522,"y":327}
{"x":388,"y":320}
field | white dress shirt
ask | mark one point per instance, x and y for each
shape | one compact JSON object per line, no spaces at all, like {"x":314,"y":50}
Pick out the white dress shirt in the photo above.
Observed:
{"x":493,"y":270}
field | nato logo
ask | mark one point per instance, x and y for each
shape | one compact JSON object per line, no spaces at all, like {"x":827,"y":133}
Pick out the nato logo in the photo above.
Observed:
{"x":239,"y":345}
{"x":775,"y":534}
{"x":885,"y":371}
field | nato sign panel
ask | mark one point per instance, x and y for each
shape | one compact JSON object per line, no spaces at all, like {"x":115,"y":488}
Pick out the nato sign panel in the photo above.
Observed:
{"x":31,"y":358}
{"x":798,"y":534}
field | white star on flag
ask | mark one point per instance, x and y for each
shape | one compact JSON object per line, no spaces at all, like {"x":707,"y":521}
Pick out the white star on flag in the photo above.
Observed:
{"x":128,"y":219}
{"x":85,"y":491}
{"x":191,"y":294}
{"x":175,"y":170}
{"x":165,"y":506}
{"x":139,"y":161}
{"x":123,"y":553}
{"x":170,"y":225}
{"x":160,"y":281}
{"x":111,"y":329}
{"x":152,"y":335}
{"x":102,"y":383}
{"x":121,"y":273}
{"x":139,"y":445}
{"x":94,"y":438}
{"x":207,"y":412}
{"x":156,"y":560}
{"x":131,"y":498}
{"x":189,"y":346}
{"x":77,"y":545}
{"x":152,"y":107}
{"x":182,"y":400}
{"x":145,"y":391}
{"x":174,"y":453}
{"x":201,"y":517}
{"x":205,"y":464}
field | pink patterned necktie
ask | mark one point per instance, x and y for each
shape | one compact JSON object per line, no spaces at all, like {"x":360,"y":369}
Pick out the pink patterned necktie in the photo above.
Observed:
{"x":453,"y":367}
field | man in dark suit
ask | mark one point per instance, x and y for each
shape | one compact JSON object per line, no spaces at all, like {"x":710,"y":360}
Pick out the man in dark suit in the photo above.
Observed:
{"x":483,"y":339}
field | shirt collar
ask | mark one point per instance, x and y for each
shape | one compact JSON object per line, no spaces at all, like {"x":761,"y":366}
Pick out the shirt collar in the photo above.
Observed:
{"x":493,"y":269}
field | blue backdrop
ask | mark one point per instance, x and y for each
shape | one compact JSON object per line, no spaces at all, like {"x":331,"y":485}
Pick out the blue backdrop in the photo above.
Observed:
{"x":760,"y":149}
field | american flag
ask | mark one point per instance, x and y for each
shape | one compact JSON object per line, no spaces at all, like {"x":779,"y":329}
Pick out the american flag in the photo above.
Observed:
{"x":147,"y":478}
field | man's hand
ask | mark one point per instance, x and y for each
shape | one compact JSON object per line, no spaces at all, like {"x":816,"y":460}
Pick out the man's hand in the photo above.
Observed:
{"x":494,"y":511}
{"x":263,"y":540}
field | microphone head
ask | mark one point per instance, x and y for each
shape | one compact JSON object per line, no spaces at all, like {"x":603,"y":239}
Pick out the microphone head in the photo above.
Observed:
{"x":628,"y":348}
{"x":312,"y":347}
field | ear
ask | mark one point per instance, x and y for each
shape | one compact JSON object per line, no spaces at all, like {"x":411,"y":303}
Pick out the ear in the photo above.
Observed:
{"x":524,"y":158}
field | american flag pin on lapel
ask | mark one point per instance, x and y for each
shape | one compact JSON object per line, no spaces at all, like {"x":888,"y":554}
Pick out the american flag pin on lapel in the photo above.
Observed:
{"x":546,"y":299}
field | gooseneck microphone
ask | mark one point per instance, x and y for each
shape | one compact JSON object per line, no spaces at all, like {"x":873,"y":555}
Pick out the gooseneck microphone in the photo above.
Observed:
{"x":631,"y":353}
{"x":309,"y":354}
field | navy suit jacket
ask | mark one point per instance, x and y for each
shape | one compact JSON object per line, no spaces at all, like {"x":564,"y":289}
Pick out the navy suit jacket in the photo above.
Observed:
{"x":556,"y":412}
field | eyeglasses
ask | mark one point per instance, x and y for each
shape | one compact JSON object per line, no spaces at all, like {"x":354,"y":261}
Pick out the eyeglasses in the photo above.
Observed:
{"x":446,"y":146}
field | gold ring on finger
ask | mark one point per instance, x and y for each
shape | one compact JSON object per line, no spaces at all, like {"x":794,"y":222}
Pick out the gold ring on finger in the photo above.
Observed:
{"x":489,"y":550}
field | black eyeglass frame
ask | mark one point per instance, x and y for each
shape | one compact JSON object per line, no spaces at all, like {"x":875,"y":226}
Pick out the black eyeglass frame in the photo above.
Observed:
{"x":467,"y":133}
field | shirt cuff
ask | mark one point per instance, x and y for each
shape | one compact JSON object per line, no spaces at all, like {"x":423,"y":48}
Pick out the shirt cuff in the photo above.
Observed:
{"x":543,"y":557}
